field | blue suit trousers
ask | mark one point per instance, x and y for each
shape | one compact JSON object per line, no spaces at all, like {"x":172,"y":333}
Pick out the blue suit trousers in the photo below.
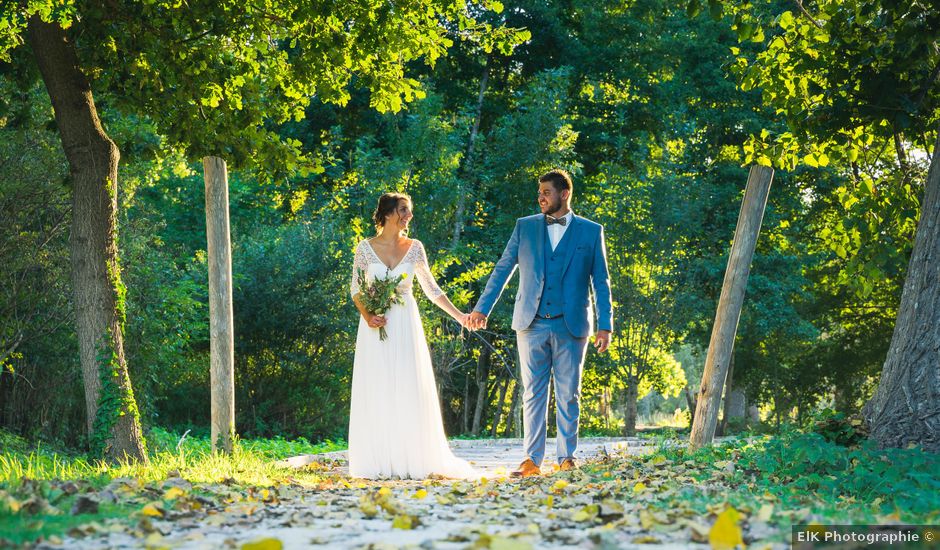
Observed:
{"x":548,"y":348}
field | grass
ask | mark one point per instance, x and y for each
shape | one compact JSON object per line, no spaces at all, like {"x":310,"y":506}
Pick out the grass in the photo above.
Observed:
{"x":35,"y":503}
{"x":192,"y":457}
{"x":20,"y":529}
{"x":807,"y":474}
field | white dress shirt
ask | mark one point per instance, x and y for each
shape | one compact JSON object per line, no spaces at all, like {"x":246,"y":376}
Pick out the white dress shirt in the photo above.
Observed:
{"x":556,"y":231}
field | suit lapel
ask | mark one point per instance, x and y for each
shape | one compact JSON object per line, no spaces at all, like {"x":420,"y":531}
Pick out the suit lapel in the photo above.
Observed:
{"x":572,"y":233}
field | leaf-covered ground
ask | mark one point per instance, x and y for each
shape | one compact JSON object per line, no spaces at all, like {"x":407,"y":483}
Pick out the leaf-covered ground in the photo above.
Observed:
{"x":748,"y":491}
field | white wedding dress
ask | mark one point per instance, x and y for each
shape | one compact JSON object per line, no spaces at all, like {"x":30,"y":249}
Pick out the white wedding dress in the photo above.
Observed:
{"x":395,"y":426}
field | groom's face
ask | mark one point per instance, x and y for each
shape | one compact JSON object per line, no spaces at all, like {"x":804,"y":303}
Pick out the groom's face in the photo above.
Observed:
{"x":550,"y":199}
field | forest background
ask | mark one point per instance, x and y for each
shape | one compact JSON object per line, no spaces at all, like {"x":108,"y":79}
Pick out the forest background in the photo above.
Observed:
{"x":654,"y":107}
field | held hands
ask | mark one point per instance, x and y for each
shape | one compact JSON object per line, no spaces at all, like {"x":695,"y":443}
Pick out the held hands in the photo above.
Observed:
{"x":476,"y":321}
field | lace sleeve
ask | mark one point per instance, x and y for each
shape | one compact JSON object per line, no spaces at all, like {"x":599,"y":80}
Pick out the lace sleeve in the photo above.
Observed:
{"x":361,"y":261}
{"x":423,"y":274}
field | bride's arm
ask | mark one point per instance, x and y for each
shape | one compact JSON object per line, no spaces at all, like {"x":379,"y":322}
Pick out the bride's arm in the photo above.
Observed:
{"x":361,"y":262}
{"x":431,"y":288}
{"x":444,"y":303}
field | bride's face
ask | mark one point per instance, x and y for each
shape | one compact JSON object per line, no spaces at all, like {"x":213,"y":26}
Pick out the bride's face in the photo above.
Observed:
{"x":401,"y":217}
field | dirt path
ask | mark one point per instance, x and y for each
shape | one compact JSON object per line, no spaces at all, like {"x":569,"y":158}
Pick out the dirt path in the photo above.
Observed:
{"x":552,"y":511}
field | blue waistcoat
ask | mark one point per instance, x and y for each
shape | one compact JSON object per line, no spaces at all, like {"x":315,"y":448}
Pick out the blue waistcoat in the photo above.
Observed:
{"x":552,"y":300}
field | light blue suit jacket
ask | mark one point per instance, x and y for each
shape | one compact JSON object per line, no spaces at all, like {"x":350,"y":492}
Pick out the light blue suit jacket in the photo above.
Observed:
{"x":585,"y":267}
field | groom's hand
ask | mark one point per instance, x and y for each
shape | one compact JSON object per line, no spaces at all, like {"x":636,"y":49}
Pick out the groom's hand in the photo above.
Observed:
{"x":602,"y":340}
{"x":477,"y":320}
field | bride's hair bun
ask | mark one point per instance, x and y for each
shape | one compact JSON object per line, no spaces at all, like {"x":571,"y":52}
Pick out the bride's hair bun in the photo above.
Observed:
{"x":388,"y":202}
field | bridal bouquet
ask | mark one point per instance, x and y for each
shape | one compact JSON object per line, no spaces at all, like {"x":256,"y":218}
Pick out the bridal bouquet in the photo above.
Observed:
{"x":380,"y":294}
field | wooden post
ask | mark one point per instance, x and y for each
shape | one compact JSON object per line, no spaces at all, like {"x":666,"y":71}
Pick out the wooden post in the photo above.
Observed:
{"x":729,"y":305}
{"x":221,"y":324}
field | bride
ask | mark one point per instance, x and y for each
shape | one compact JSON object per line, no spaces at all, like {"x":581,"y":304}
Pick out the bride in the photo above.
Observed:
{"x":395,"y":426}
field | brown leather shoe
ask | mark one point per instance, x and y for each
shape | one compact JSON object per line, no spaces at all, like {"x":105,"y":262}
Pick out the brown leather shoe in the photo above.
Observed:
{"x":568,"y":464}
{"x":526,"y":469}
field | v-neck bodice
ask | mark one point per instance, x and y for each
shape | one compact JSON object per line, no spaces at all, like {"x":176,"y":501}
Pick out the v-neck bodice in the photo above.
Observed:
{"x":414,"y":265}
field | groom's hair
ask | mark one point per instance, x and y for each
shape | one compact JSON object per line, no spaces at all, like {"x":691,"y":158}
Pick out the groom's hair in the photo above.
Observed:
{"x":559,"y":179}
{"x":388,"y":203}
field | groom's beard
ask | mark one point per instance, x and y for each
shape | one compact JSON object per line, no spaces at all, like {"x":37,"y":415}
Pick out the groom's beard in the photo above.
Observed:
{"x":553,"y":208}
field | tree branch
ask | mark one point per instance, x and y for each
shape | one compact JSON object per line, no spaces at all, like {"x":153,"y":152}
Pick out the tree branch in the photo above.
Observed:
{"x":12,"y":348}
{"x":899,"y":149}
{"x":799,"y":4}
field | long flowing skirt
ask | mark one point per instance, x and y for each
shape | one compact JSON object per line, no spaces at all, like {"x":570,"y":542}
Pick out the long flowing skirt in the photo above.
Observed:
{"x":395,"y":425}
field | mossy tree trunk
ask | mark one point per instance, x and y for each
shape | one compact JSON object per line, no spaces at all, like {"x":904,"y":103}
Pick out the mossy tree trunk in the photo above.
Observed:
{"x":113,"y":421}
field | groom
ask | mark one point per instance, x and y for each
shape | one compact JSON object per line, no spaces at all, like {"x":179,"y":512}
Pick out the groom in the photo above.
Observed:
{"x":560,"y":257}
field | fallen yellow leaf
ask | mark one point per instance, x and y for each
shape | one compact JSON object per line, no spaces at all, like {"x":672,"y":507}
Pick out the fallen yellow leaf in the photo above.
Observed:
{"x":725,"y":533}
{"x":173,"y":493}
{"x":405,"y":522}
{"x":264,"y":544}
{"x":152,"y":510}
{"x":420,"y":494}
{"x":581,"y":515}
{"x":504,"y":543}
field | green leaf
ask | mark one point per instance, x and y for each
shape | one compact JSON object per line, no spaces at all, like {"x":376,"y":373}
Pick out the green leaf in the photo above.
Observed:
{"x":715,"y":9}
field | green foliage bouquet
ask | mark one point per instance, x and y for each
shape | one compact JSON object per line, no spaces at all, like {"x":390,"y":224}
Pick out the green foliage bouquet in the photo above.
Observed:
{"x":380,"y":294}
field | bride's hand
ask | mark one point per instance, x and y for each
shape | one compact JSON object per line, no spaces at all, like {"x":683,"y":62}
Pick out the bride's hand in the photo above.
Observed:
{"x":464,"y":320}
{"x":375,"y":321}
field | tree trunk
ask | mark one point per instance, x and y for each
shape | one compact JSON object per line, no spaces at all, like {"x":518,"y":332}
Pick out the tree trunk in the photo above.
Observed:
{"x":729,"y":304}
{"x":690,"y":401}
{"x":113,"y":421}
{"x":514,"y":408}
{"x":221,"y":317}
{"x":629,"y":407}
{"x":723,"y":426}
{"x":467,"y":168}
{"x":482,"y":375}
{"x":906,"y":406}
{"x":500,"y":403}
{"x":466,"y":405}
